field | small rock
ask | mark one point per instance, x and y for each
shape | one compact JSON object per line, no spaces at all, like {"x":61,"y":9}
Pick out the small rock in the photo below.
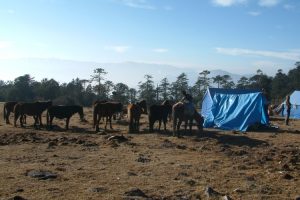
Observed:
{"x":131,"y":174}
{"x":191,"y":182}
{"x":119,"y":138}
{"x":238,"y":190}
{"x":181,"y":146}
{"x":19,"y":190}
{"x":17,"y":198}
{"x":89,"y":144}
{"x":98,"y":189}
{"x":135,"y":192}
{"x":41,"y":175}
{"x":51,"y":144}
{"x":287,"y":177}
{"x":286,"y":167}
{"x":143,"y":159}
{"x":211,"y":192}
{"x":226,"y":198}
{"x":61,"y":169}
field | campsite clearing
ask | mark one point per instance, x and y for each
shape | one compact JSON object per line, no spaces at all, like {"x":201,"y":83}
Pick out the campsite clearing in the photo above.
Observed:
{"x":79,"y":164}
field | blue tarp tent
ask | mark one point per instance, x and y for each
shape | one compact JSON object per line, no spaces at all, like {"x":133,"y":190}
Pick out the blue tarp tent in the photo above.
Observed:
{"x":295,"y":109}
{"x":233,"y":109}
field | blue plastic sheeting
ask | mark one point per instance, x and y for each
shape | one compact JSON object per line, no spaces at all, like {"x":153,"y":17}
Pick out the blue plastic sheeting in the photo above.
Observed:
{"x":232,"y":109}
{"x":295,"y":109}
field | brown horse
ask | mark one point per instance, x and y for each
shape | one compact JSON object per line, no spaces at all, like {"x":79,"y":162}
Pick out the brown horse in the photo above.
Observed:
{"x":134,"y":112}
{"x":32,"y":109}
{"x":181,"y":113}
{"x":107,"y":110}
{"x":63,"y":112}
{"x":7,"y":109}
{"x":159,"y":113}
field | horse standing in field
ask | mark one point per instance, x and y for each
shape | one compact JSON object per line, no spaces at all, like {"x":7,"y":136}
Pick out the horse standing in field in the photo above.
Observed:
{"x":186,"y":114}
{"x":159,"y":113}
{"x":134,"y":112}
{"x":8,"y":107}
{"x":107,"y":109}
{"x":32,"y":109}
{"x":63,"y":112}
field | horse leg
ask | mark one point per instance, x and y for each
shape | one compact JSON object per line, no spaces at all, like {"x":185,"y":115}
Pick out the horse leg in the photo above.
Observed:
{"x":16,"y":119}
{"x":185,"y":125}
{"x":35,"y":121}
{"x":97,"y":123}
{"x":178,"y":128}
{"x":138,"y":125}
{"x":21,"y":120}
{"x":134,"y":125}
{"x":40,"y":120}
{"x":165,"y":124}
{"x":191,"y":124}
{"x":174,"y":125}
{"x":130,"y":124}
{"x":110,"y":123}
{"x":106,"y":123}
{"x":67,"y":123}
{"x":151,"y":124}
{"x":159,"y":124}
{"x":50,"y":122}
{"x":7,"y":117}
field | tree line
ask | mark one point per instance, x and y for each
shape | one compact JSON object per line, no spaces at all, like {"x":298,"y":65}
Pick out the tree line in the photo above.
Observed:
{"x":85,"y":91}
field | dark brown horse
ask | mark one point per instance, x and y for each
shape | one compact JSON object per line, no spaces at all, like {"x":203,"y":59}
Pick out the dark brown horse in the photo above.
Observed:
{"x":32,"y":109}
{"x":159,"y":113}
{"x":181,"y":113}
{"x":134,"y":112}
{"x":99,"y":101}
{"x":63,"y":112}
{"x":7,"y":109}
{"x":107,"y":110}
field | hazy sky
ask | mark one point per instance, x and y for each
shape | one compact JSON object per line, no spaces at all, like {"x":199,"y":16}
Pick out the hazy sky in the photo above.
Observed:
{"x":239,"y":36}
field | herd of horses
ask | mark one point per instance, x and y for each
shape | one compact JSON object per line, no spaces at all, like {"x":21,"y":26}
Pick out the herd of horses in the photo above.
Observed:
{"x":107,"y":110}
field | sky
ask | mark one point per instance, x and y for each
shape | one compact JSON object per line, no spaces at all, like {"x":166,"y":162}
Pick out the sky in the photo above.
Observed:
{"x":239,"y":36}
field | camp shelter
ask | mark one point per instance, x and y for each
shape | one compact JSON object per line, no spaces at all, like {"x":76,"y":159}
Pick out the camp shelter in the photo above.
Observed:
{"x":233,"y":109}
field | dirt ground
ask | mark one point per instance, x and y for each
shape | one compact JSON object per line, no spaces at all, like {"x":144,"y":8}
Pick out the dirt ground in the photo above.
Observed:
{"x":82,"y":164}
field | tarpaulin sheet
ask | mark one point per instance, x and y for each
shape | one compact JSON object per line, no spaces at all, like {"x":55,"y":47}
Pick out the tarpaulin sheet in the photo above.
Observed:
{"x":233,"y":109}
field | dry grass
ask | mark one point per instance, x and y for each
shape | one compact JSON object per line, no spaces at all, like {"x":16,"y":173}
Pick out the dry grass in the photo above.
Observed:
{"x":254,"y":165}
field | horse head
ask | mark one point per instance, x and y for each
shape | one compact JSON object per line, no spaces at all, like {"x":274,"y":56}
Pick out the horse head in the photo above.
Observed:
{"x":143,"y":105}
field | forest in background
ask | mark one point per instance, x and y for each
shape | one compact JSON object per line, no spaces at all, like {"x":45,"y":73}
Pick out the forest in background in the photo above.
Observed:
{"x":83,"y":92}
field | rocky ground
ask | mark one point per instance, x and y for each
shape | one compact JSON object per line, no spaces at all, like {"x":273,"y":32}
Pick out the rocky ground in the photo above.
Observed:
{"x":82,"y":164}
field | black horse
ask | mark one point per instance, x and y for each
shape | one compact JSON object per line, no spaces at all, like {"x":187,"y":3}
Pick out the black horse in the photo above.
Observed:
{"x":159,"y":113}
{"x":32,"y":109}
{"x":63,"y":112}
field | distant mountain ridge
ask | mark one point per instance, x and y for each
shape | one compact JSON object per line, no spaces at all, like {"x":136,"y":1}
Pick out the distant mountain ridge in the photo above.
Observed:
{"x":130,"y":73}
